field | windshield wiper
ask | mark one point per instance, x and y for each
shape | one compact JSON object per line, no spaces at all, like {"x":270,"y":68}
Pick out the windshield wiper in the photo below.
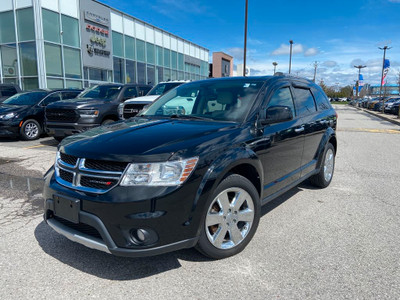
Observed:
{"x":175,"y":116}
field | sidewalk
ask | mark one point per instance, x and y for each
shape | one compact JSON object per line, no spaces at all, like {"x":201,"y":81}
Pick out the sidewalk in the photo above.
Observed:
{"x":388,"y":117}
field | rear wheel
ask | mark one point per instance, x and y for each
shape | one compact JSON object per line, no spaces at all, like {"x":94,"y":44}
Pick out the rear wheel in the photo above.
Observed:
{"x":107,"y":121}
{"x":30,"y":130}
{"x":231,"y":219}
{"x":324,"y":177}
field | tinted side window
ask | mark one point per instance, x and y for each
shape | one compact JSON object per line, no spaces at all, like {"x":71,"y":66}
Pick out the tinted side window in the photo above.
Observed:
{"x":51,"y":98}
{"x":321,"y":99}
{"x":8,"y":91}
{"x":130,"y":93}
{"x":304,"y":100}
{"x":282,"y":97}
{"x":69,"y":95}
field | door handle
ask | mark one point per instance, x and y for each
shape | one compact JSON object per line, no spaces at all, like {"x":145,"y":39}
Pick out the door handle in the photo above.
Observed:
{"x":299,"y":129}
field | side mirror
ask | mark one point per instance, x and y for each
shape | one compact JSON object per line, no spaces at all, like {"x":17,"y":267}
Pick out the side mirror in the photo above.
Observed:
{"x":277,"y":114}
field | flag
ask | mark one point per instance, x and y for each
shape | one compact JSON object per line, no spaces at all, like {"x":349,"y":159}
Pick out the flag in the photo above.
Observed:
{"x":386,"y":66}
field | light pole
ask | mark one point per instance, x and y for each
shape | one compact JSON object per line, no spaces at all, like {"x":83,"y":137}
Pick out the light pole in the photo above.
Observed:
{"x":315,"y":69}
{"x":245,"y":39}
{"x":383,"y":67}
{"x":359,"y":67}
{"x":274,"y":64}
{"x":290,"y":56}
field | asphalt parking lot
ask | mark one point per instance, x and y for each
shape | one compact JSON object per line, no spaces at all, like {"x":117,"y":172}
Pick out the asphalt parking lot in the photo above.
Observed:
{"x":338,"y":243}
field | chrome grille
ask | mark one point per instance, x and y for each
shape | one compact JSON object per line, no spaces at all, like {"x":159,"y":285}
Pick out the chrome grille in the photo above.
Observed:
{"x":131,"y":110}
{"x":88,"y":175}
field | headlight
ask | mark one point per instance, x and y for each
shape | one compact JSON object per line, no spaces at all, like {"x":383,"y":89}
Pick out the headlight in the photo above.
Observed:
{"x":90,"y":112}
{"x":8,"y":116}
{"x":121,"y":110}
{"x":168,"y":173}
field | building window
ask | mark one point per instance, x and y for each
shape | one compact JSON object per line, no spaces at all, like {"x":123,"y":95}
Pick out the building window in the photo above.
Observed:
{"x":73,"y":84}
{"x":7,"y":29}
{"x":27,"y":52}
{"x":167,"y":58}
{"x":30,"y":84}
{"x":119,"y":70}
{"x":9,"y":60}
{"x":173,"y":60}
{"x":167,"y":74}
{"x":53,"y":60}
{"x":150,"y":53}
{"x":159,"y":56}
{"x":140,"y":51}
{"x":159,"y":74}
{"x":53,"y":83}
{"x":25,"y":24}
{"x":129,"y":47}
{"x":180,"y":62}
{"x":130,"y":69}
{"x":118,"y":45}
{"x":51,"y":26}
{"x":72,"y":63}
{"x":174,"y":75}
{"x":141,"y":73}
{"x":70,"y":35}
{"x":151,"y":75}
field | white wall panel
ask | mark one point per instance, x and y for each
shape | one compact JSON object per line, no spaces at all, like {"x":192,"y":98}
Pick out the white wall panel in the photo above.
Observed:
{"x":180,"y":46}
{"x":22,"y":3}
{"x":116,"y":22}
{"x":207,"y":57}
{"x":187,"y":48}
{"x":197,"y":52}
{"x":50,"y":4}
{"x":149,"y":34}
{"x":6,"y":5}
{"x":191,"y":50}
{"x":166,"y":41}
{"x":158,"y":36}
{"x":174,"y":44}
{"x":202,"y":54}
{"x":69,"y":8}
{"x":129,"y":28}
{"x":139,"y":28}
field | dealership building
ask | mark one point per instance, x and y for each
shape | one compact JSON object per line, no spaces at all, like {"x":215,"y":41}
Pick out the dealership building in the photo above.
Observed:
{"x":78,"y":43}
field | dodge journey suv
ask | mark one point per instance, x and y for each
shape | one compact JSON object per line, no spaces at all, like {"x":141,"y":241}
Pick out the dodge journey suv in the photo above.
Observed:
{"x":194,"y":168}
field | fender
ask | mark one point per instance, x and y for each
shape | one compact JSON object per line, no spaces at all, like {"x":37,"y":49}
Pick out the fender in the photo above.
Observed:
{"x":329,"y":133}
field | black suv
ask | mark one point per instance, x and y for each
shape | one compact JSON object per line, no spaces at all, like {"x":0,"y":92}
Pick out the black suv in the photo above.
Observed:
{"x":94,"y":107}
{"x":23,"y":114}
{"x":194,"y":168}
{"x":7,"y":90}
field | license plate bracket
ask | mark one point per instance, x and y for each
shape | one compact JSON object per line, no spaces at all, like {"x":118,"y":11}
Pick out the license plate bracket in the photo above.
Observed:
{"x":67,"y":208}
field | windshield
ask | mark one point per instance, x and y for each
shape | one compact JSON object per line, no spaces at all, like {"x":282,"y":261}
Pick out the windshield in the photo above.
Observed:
{"x":105,"y":92}
{"x":162,"y":88}
{"x":220,"y":100}
{"x":31,"y":98}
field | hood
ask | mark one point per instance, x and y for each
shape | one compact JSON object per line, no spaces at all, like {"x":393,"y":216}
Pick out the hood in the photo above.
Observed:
{"x":7,"y":108}
{"x":141,"y":139}
{"x":78,"y":103}
{"x":148,"y":99}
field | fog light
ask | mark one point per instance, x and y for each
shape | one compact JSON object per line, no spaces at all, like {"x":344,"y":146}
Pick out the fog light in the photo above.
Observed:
{"x":141,"y":235}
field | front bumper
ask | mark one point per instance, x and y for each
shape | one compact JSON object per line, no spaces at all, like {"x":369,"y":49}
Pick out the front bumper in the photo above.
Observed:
{"x":106,"y":222}
{"x":67,"y":129}
{"x":9,"y":128}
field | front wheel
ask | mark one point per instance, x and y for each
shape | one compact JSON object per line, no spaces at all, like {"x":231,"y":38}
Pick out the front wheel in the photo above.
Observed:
{"x":231,"y":219}
{"x":30,"y":130}
{"x":324,"y":177}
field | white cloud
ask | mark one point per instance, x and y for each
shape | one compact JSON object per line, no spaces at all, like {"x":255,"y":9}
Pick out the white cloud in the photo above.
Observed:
{"x":285,"y":49}
{"x":311,"y":52}
{"x":330,"y":64}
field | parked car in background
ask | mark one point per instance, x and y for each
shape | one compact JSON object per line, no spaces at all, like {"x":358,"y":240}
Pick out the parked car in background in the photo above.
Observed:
{"x":96,"y":106}
{"x":7,"y":90}
{"x":389,"y":103}
{"x":192,"y":172}
{"x":23,"y":114}
{"x":395,"y":108}
{"x":131,"y":107}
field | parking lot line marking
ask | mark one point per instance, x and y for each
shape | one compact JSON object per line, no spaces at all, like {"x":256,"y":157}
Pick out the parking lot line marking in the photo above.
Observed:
{"x":37,"y":146}
{"x":391,"y":131}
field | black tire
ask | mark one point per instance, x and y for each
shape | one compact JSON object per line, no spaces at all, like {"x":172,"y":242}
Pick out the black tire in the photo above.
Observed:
{"x":58,"y":138}
{"x":30,"y":130}
{"x":325,"y":175}
{"x":232,"y":220}
{"x":107,"y":121}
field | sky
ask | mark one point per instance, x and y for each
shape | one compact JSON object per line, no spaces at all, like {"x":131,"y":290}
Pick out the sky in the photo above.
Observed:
{"x":335,"y":34}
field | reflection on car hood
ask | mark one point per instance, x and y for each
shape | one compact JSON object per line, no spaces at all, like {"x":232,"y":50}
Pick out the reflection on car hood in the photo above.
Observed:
{"x":78,"y":103}
{"x":147,"y":139}
{"x":7,"y":108}
{"x":149,"y":99}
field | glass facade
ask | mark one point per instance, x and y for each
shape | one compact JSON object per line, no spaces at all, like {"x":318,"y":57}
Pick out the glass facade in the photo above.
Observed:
{"x":55,"y":56}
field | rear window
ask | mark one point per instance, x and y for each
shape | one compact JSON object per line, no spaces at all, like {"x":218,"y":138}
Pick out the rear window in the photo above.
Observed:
{"x":304,"y":101}
{"x":321,"y":99}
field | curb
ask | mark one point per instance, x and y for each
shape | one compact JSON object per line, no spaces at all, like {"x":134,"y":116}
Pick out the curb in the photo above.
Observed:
{"x":394,"y":121}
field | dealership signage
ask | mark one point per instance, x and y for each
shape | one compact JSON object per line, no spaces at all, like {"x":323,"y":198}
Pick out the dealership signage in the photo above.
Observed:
{"x":96,"y":35}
